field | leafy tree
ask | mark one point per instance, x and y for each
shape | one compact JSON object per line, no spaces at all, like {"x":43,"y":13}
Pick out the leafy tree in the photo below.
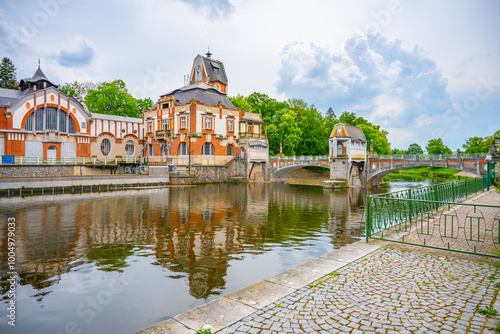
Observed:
{"x":264,"y":105}
{"x":78,"y":89}
{"x":8,"y":74}
{"x":414,"y":149}
{"x":284,"y":130}
{"x":146,"y":103}
{"x":477,"y":145}
{"x":113,"y":98}
{"x":436,"y":146}
{"x":348,"y":118}
{"x":398,"y":151}
{"x":240,"y":101}
{"x":314,"y":135}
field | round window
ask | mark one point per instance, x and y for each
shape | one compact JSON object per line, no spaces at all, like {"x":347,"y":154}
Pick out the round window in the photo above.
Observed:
{"x":129,"y":148}
{"x":105,"y":147}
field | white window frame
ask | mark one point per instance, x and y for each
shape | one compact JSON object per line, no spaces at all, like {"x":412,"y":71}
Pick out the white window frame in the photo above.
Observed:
{"x":230,"y":125}
{"x":150,"y":126}
{"x":185,"y":148}
{"x":183,"y":122}
{"x":166,"y":124}
{"x":208,"y":123}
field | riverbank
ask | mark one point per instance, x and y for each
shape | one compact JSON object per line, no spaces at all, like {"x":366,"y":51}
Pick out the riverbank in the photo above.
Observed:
{"x":434,"y":172}
{"x":376,"y":287}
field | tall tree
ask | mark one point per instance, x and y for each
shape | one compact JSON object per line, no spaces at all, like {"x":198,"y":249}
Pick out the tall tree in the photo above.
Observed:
{"x":8,"y":74}
{"x":284,"y":130}
{"x":414,"y":149}
{"x":331,"y":113}
{"x":112,"y":98}
{"x":79,"y":89}
{"x":436,"y":146}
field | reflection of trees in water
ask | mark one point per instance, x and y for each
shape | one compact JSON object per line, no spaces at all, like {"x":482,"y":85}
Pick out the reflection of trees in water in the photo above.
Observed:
{"x":193,"y":231}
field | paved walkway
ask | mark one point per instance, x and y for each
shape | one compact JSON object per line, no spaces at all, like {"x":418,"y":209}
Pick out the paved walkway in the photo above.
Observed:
{"x":362,"y":288}
{"x":389,"y":291}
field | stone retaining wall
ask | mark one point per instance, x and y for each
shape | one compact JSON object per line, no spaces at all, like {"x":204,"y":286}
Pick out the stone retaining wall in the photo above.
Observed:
{"x":29,"y":170}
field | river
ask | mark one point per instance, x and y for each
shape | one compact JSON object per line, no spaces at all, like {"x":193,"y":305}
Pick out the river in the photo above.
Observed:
{"x":118,"y":262}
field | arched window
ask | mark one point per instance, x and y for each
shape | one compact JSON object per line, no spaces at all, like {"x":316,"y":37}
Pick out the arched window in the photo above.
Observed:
{"x":230,"y":149}
{"x":165,"y":150}
{"x":207,"y":149}
{"x":129,"y":148}
{"x":62,"y":121}
{"x":38,"y":116}
{"x":242,"y":152}
{"x":71,"y":125}
{"x":151,"y":150}
{"x":183,"y":149}
{"x":51,"y":118}
{"x":105,"y":147}
{"x":339,"y":149}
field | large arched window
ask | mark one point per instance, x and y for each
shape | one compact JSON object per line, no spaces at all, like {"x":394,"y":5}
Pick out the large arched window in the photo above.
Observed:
{"x":230,"y":149}
{"x":129,"y":148}
{"x":105,"y":147}
{"x":37,"y":115}
{"x":51,"y":118}
{"x":183,"y":149}
{"x":339,"y":149}
{"x":207,"y":149}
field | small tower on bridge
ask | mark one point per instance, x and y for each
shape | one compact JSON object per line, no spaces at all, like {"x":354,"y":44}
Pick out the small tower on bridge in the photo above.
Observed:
{"x":347,"y":154}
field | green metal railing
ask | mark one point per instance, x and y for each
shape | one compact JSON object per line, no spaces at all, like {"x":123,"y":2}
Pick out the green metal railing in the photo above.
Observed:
{"x":431,"y":217}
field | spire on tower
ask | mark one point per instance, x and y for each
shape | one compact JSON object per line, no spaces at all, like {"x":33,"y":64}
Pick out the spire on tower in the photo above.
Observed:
{"x":208,"y":54}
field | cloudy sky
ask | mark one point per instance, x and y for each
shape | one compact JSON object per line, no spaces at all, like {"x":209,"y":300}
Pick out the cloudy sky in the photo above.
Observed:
{"x":421,"y":69}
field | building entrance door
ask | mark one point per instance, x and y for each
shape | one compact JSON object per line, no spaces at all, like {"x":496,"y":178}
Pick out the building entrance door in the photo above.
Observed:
{"x":52,"y":153}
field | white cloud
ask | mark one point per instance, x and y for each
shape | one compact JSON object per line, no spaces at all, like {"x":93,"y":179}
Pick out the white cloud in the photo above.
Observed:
{"x":371,"y":76}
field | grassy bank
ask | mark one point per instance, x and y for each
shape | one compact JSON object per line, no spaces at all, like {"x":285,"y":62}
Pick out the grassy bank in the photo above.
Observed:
{"x":431,"y":171}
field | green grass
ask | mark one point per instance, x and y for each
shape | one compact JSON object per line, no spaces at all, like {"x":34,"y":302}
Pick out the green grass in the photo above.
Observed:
{"x":489,"y":311}
{"x":430,"y":171}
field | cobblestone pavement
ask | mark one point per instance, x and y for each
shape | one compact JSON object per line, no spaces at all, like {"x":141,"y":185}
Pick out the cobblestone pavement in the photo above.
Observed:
{"x":389,"y":291}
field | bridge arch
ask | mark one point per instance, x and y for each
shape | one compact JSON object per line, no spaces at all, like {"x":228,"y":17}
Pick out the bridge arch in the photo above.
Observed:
{"x":281,"y":174}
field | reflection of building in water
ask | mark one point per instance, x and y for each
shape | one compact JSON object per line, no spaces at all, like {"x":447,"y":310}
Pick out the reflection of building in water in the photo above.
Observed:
{"x":194,"y":231}
{"x":346,"y":217}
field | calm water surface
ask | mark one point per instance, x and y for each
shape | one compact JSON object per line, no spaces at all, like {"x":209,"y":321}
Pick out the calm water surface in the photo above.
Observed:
{"x":119,"y":262}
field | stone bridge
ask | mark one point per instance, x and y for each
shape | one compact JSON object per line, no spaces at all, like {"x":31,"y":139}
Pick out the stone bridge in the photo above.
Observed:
{"x":282,"y":166}
{"x":376,"y":167}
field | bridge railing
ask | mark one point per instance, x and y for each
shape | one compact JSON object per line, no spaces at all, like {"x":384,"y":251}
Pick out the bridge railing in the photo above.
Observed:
{"x":302,"y":158}
{"x":12,"y":160}
{"x":432,"y":217}
{"x":428,"y":157}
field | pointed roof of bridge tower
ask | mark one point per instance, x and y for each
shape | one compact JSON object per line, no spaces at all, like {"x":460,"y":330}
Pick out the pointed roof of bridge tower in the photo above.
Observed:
{"x":349,"y":131}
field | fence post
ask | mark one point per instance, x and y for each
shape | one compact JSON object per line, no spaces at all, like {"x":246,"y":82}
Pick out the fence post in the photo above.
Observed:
{"x":368,"y":218}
